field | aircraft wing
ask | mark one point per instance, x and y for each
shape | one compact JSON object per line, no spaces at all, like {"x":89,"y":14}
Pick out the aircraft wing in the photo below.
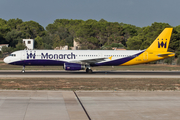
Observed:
{"x":89,"y":61}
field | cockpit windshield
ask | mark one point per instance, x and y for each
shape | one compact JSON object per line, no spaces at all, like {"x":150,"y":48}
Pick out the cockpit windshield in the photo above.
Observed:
{"x":14,"y":55}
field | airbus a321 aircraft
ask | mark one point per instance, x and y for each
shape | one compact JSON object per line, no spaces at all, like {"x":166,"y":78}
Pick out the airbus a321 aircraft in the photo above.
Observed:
{"x":85,"y":59}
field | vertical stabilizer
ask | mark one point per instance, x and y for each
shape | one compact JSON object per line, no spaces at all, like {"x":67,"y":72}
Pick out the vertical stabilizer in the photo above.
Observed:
{"x":162,"y":41}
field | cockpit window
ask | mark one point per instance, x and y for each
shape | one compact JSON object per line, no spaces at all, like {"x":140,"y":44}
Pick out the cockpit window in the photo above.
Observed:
{"x":14,"y":55}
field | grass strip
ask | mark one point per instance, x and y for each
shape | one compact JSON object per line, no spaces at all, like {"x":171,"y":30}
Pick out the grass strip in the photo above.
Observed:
{"x":149,"y":84}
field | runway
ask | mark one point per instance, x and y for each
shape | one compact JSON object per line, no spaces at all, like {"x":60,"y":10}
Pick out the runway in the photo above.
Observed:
{"x":99,"y":105}
{"x":95,"y":74}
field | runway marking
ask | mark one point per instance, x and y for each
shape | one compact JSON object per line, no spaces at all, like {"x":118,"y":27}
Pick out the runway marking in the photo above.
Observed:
{"x":26,"y":110}
{"x":82,"y":105}
{"x":73,"y":107}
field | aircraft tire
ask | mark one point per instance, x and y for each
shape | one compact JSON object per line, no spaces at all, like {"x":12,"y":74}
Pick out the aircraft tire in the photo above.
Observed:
{"x":23,"y":71}
{"x":88,"y":70}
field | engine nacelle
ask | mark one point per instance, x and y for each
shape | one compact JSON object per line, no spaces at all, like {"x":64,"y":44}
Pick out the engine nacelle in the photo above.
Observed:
{"x":73,"y":66}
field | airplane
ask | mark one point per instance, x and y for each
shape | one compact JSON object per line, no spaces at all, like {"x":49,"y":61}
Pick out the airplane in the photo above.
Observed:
{"x":85,"y":59}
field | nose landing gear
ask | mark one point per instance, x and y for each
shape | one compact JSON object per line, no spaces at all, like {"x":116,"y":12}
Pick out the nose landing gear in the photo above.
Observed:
{"x":23,"y":70}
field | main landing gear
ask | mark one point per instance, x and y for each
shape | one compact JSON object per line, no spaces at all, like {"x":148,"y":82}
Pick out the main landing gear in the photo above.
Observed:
{"x":88,"y":69}
{"x":23,"y":70}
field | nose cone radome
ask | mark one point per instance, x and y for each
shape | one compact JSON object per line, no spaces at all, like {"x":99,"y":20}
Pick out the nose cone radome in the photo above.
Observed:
{"x":6,"y":60}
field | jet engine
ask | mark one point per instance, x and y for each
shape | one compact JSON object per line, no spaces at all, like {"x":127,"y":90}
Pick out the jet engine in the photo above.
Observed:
{"x":73,"y":66}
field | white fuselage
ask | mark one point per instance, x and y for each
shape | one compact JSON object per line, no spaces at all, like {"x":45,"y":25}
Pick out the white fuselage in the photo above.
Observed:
{"x":59,"y":57}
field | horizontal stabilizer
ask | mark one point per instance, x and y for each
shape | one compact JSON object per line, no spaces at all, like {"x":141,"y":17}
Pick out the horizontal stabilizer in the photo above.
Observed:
{"x":166,"y":54}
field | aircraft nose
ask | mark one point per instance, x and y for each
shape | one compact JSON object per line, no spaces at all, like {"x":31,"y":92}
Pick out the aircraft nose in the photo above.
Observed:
{"x":6,"y":60}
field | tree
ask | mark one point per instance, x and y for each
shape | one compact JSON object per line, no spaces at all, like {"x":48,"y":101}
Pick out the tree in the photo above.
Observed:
{"x":47,"y":42}
{"x":146,"y":36}
{"x":20,"y":46}
{"x":178,"y":60}
{"x":6,"y":49}
{"x":174,"y":45}
{"x":13,"y":37}
{"x":102,"y":20}
{"x":31,"y":29}
{"x":134,"y":43}
{"x":129,"y":31}
{"x":38,"y":42}
{"x":4,"y":29}
{"x":13,"y":23}
{"x":51,"y":29}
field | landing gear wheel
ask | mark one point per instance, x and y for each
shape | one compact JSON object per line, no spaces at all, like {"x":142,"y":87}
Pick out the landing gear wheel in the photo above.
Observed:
{"x":23,"y":71}
{"x":88,"y":70}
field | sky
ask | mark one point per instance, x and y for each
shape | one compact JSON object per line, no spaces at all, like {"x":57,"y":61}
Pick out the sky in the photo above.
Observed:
{"x":140,"y":13}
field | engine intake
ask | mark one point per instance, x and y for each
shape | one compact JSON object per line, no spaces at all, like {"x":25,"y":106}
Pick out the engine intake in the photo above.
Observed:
{"x":73,"y":66}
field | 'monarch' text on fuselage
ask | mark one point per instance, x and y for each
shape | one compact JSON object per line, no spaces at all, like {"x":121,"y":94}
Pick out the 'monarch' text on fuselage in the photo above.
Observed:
{"x":52,"y":56}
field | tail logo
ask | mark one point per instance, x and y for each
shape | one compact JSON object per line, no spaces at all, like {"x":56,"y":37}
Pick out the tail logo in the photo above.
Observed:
{"x":162,"y":44}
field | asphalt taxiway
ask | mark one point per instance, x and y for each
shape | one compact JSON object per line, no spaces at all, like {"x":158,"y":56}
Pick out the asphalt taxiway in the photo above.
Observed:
{"x":99,"y":105}
{"x":95,"y":74}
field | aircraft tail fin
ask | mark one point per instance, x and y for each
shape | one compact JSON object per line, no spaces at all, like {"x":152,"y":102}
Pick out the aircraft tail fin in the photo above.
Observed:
{"x":161,"y":43}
